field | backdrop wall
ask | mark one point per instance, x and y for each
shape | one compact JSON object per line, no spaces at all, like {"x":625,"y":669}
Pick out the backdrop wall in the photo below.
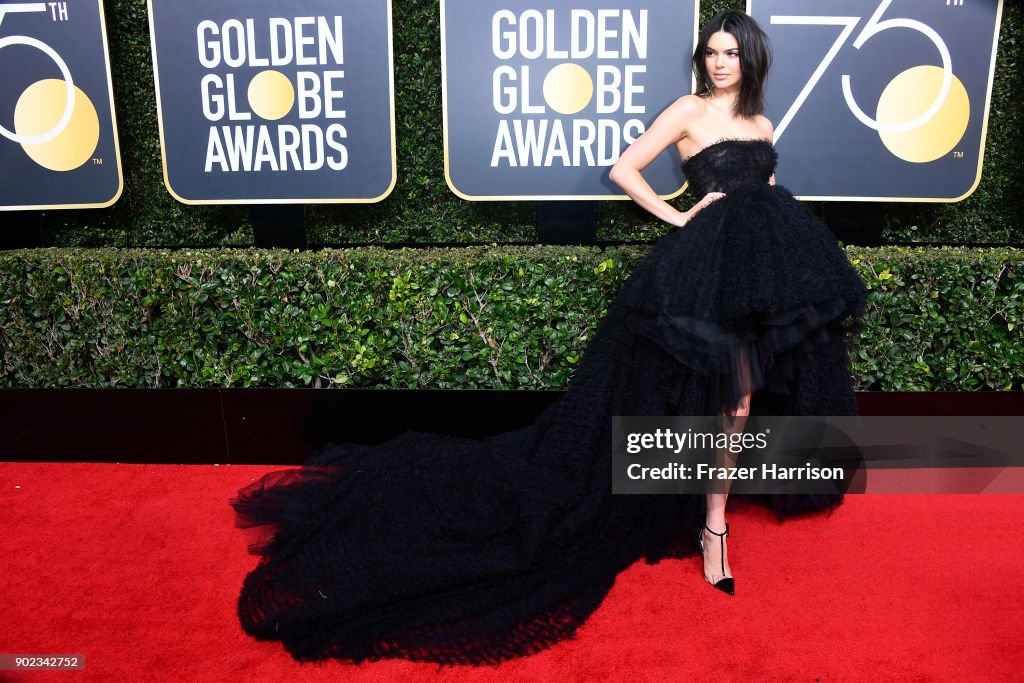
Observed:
{"x":422,"y":208}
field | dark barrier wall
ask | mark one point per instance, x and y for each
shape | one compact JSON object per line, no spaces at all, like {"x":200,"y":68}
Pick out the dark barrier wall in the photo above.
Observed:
{"x":285,"y":426}
{"x":422,"y":208}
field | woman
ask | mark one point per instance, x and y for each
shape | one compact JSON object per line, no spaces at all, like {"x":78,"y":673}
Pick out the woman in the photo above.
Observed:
{"x":434,"y":548}
{"x":726,"y":140}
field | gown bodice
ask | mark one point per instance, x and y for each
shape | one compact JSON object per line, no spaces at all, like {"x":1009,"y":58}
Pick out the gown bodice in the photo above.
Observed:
{"x":728,"y":165}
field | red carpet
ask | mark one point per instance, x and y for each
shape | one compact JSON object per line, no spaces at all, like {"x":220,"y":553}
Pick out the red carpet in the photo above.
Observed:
{"x":138,"y":566}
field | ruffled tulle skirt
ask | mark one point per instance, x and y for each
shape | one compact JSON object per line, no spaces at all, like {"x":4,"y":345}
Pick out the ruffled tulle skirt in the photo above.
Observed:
{"x":434,"y":548}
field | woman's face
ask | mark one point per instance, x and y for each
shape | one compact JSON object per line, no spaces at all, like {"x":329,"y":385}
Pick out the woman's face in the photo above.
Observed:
{"x":722,"y":60}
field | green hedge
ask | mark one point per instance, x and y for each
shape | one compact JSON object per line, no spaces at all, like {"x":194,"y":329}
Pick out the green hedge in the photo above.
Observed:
{"x":941,"y":319}
{"x":422,"y":209}
{"x":509,"y":318}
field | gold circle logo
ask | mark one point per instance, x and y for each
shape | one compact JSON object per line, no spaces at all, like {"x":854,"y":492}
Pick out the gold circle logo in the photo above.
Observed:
{"x":271,"y":95}
{"x":40,"y":108}
{"x":908,"y":96}
{"x":568,"y":88}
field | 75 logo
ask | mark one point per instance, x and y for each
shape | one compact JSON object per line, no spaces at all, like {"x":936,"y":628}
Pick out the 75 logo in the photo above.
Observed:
{"x":880,"y":105}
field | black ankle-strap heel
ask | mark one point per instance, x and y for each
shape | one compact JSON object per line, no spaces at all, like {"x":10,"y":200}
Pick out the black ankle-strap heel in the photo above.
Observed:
{"x":726,"y":585}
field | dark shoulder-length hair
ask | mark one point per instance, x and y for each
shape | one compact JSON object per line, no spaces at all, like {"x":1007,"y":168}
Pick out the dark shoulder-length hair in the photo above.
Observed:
{"x":755,"y":59}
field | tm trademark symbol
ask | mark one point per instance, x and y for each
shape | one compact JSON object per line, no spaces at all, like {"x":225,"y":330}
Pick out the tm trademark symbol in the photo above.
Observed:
{"x":96,"y":161}
{"x":958,"y":155}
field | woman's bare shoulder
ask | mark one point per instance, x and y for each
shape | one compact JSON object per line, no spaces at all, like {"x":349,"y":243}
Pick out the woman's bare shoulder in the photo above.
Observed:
{"x":690,"y":105}
{"x":683,"y":113}
{"x":765,"y":126}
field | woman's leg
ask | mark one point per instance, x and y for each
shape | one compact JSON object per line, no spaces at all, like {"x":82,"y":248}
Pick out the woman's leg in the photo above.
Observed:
{"x":716,"y":556}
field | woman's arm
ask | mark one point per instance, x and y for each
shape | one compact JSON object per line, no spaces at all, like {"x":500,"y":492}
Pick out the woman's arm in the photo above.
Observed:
{"x":671,"y":126}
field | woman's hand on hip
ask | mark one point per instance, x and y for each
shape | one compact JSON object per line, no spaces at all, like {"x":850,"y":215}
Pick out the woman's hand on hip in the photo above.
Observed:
{"x":687,"y":216}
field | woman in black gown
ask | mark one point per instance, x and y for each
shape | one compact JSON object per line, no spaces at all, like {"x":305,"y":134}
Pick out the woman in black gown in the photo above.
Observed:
{"x":435,"y":548}
{"x":764,"y":291}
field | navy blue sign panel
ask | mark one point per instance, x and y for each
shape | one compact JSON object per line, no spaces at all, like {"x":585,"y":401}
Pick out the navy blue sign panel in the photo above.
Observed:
{"x":880,"y":100}
{"x":541,"y":99}
{"x":58,"y":139}
{"x":275,"y":102}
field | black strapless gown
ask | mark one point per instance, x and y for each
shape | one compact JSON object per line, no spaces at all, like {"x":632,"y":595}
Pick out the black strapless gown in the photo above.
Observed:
{"x":434,"y":548}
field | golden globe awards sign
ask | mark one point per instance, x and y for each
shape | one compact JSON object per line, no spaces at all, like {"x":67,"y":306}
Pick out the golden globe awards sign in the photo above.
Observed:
{"x":885,"y":100}
{"x":58,"y":148}
{"x":275,"y":102}
{"x":540,"y":99}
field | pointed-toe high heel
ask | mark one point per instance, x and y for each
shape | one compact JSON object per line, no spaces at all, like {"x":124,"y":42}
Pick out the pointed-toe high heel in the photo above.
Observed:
{"x":726,"y":585}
